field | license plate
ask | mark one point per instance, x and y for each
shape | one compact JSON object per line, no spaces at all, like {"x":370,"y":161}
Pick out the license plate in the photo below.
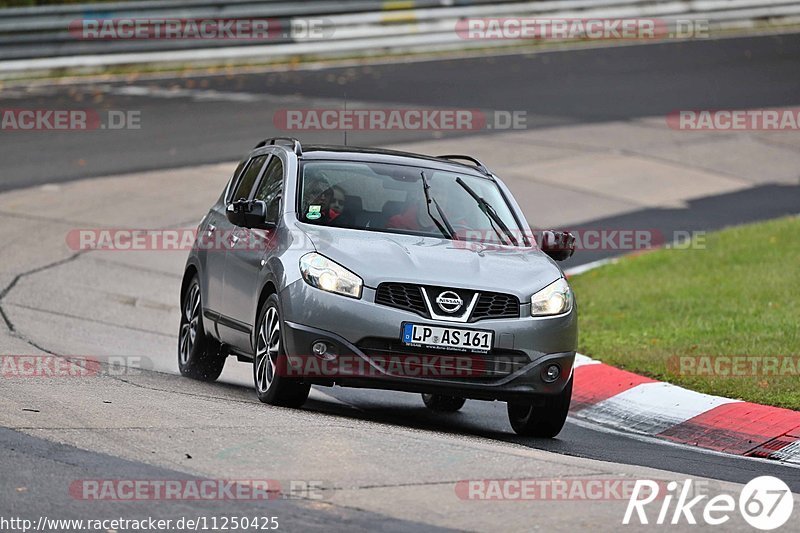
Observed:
{"x":447,"y":338}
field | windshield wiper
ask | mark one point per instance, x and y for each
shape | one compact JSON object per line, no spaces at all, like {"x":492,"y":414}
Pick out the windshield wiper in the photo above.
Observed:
{"x":489,"y":211}
{"x":446,"y":229}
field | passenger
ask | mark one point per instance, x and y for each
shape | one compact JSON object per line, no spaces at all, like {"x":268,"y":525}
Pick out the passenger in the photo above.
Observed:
{"x":336,"y":204}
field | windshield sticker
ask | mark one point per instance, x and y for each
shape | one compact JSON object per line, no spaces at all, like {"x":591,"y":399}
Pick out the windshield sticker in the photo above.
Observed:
{"x":314,"y":212}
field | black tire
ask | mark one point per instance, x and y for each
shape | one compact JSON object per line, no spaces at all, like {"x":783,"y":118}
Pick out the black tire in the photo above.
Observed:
{"x":198,"y":354}
{"x":544,"y":421}
{"x":443,"y":404}
{"x":271,"y":386}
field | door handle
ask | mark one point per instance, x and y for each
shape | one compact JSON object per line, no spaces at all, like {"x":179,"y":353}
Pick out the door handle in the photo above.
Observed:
{"x":211,"y":229}
{"x":234,"y":239}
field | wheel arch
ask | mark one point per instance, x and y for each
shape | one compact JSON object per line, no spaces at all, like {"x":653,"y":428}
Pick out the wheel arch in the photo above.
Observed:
{"x":190,"y":272}
{"x":268,"y":288}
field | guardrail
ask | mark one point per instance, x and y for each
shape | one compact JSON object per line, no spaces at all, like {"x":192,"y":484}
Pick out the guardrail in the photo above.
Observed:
{"x":41,"y":38}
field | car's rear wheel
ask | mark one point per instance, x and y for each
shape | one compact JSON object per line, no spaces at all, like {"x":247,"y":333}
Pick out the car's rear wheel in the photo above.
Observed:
{"x":541,"y":420}
{"x":442,"y":403}
{"x":270,"y":359}
{"x":198,"y":354}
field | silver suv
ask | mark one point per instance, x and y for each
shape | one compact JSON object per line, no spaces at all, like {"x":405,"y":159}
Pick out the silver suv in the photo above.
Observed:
{"x":334,"y":265}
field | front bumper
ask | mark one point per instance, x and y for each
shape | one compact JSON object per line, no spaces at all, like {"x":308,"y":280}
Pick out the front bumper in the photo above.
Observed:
{"x":363,"y":338}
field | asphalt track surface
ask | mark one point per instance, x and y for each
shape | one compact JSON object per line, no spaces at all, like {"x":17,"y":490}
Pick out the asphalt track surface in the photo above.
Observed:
{"x":198,"y":126}
{"x":575,"y":87}
{"x":41,"y":466}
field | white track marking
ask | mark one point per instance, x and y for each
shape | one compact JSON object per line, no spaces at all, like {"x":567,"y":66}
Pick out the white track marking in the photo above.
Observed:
{"x":650,"y":408}
{"x":790,"y":454}
{"x":581,"y":360}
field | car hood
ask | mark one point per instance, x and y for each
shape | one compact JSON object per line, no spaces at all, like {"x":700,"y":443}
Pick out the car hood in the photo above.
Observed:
{"x":377,"y":257}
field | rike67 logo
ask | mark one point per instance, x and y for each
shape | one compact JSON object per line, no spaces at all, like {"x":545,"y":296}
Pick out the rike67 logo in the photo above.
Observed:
{"x":766,"y":503}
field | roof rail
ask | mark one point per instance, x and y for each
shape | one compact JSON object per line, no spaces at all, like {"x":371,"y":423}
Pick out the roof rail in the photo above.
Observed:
{"x":480,"y":166}
{"x":296,"y":146}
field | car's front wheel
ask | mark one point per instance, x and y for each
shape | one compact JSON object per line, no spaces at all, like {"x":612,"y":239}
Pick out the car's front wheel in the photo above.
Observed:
{"x":270,"y":361}
{"x":443,"y":404}
{"x":198,"y":354}
{"x":541,"y":420}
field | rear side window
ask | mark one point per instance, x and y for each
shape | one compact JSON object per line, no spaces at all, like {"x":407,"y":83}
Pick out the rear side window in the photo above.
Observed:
{"x":270,"y":188}
{"x":248,"y":179}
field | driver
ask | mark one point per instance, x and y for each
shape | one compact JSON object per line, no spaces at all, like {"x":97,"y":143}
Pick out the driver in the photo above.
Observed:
{"x":415,"y":214}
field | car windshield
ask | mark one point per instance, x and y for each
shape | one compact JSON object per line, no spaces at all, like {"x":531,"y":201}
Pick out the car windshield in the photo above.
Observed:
{"x":405,"y":199}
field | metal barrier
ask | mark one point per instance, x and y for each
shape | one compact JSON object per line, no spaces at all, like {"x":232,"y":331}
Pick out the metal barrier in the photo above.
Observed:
{"x":45,"y":38}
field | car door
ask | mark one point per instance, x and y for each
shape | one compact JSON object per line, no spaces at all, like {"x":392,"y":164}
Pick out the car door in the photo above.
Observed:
{"x":244,"y":258}
{"x":224,"y":239}
{"x":211,"y":260}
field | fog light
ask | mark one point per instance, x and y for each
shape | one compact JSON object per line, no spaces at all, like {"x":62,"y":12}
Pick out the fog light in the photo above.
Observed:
{"x":319,"y":348}
{"x":551,"y":373}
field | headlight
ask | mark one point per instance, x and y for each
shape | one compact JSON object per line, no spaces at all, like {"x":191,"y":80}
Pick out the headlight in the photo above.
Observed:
{"x":554,"y":299}
{"x":322,"y":273}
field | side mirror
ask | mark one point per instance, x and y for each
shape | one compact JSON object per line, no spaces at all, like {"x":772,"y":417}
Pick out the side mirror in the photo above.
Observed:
{"x":560,"y":245}
{"x":248,"y":214}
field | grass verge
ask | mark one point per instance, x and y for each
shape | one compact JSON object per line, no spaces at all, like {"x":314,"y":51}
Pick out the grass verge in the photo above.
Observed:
{"x":683,"y":315}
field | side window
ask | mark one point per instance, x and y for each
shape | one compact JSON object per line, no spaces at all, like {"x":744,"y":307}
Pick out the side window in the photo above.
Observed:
{"x":269,"y":190}
{"x":248,"y":179}
{"x":236,"y":173}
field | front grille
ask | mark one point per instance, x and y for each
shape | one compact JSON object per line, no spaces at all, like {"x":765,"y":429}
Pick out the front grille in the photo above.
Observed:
{"x":460,"y":366}
{"x":495,"y":305}
{"x":409,"y":296}
{"x":403,"y":296}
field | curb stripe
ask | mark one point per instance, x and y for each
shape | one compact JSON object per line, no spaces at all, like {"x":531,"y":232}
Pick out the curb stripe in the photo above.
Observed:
{"x":632,"y":403}
{"x":581,"y":360}
{"x":790,"y":453}
{"x":597,"y":382}
{"x":735,"y":428}
{"x":780,"y":449}
{"x":651,"y":408}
